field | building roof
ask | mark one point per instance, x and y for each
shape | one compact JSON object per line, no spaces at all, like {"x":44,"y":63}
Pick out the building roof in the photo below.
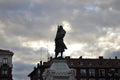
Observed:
{"x":92,"y":62}
{"x":6,"y":52}
{"x":85,"y":63}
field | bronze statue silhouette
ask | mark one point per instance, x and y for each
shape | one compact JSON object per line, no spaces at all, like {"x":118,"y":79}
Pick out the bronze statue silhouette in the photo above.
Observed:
{"x":59,"y":42}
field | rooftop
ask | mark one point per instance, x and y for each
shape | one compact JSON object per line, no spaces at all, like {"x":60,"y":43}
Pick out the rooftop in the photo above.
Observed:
{"x":83,"y":63}
{"x":5,"y":52}
{"x":92,"y":62}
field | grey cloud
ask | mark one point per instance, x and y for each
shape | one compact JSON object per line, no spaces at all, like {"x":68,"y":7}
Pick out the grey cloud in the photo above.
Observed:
{"x":21,"y":70}
{"x":14,"y":4}
{"x":24,"y":28}
{"x":29,"y":55}
{"x":115,"y":5}
{"x":112,"y":54}
{"x":90,"y":20}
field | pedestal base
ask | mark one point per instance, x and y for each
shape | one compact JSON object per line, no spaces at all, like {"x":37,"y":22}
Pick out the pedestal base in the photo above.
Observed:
{"x":59,"y":70}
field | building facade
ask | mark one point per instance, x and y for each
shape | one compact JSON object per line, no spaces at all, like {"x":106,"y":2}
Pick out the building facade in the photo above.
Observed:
{"x":6,"y":65}
{"x":86,"y":69}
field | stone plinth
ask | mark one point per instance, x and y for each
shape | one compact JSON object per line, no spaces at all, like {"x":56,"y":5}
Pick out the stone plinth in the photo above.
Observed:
{"x":59,"y":70}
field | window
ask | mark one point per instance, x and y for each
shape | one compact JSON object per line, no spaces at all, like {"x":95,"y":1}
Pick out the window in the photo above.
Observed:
{"x":81,"y":63}
{"x":91,"y":72}
{"x":83,"y":72}
{"x":90,"y":63}
{"x":4,"y":72}
{"x":101,"y":72}
{"x":71,"y":63}
{"x":5,"y":60}
{"x":111,"y":72}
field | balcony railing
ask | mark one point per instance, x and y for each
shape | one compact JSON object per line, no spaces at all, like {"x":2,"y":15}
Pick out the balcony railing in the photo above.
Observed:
{"x":7,"y":64}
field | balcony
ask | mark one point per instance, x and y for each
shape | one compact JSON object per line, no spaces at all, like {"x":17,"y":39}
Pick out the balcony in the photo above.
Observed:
{"x":7,"y":64}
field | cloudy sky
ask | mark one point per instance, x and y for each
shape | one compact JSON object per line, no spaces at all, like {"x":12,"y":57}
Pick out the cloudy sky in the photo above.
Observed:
{"x":28,"y":28}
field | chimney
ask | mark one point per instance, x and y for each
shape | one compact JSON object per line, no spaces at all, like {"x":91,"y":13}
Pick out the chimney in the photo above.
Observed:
{"x":100,"y":57}
{"x":80,"y":57}
{"x":40,"y":63}
{"x":51,"y":58}
{"x":115,"y":57}
{"x":67,"y":57}
{"x":34,"y":68}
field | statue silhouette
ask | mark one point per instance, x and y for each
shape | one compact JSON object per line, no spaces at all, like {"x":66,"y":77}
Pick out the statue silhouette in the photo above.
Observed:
{"x":59,"y":43}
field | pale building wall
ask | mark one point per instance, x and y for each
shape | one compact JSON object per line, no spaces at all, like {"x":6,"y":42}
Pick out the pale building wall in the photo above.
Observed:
{"x":8,"y":56}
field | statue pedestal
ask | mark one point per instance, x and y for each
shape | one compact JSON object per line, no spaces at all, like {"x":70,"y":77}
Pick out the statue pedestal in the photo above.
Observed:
{"x":59,"y":70}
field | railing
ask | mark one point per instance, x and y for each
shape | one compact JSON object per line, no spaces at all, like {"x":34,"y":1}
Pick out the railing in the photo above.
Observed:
{"x":7,"y":64}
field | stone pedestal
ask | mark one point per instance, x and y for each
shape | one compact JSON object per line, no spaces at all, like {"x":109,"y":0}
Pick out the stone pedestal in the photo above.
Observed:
{"x":59,"y":70}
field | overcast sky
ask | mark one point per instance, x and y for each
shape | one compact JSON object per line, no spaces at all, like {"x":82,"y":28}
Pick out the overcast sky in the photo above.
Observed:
{"x":28,"y":28}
